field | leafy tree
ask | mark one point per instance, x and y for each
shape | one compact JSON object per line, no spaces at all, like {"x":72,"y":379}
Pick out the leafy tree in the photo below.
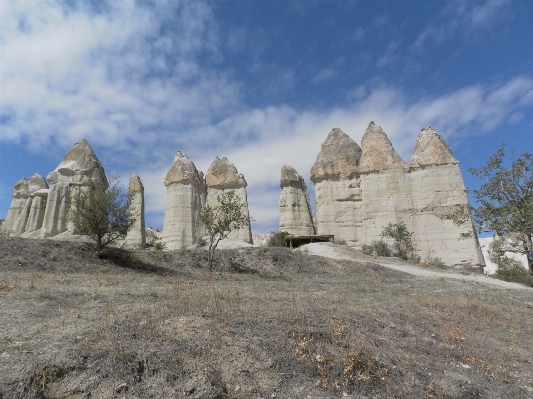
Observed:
{"x":505,"y":203}
{"x":403,"y":246}
{"x":220,"y":221}
{"x":103,"y":216}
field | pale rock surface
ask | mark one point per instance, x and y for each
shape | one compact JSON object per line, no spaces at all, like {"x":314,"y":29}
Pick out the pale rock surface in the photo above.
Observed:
{"x":490,"y":267}
{"x":430,"y":149}
{"x":378,"y":152}
{"x":136,"y":237}
{"x":79,"y":170}
{"x":436,"y":187}
{"x":24,"y":202}
{"x":295,"y":214}
{"x":186,"y":193}
{"x":153,"y":236}
{"x":337,"y":188}
{"x":223,"y":175}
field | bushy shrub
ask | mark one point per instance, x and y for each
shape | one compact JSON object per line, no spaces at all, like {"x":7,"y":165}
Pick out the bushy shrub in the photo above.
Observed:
{"x":340,"y":241}
{"x":382,"y":248}
{"x":368,"y":249}
{"x":278,"y":239}
{"x":434,"y":261}
{"x":509,"y":269}
{"x":160,"y":246}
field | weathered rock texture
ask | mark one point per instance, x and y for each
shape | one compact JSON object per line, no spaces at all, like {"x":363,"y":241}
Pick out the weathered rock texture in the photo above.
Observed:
{"x":186,"y":193}
{"x":80,"y":170}
{"x":295,"y":214}
{"x":27,"y":208}
{"x":136,"y":237}
{"x":337,"y":188}
{"x":360,"y":191}
{"x":223,"y":175}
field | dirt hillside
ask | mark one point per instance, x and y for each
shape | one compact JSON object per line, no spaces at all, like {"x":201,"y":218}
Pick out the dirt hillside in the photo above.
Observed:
{"x":267,"y":323}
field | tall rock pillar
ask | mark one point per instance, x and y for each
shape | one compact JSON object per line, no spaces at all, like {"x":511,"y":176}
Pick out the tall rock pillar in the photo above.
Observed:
{"x":185,"y":198}
{"x":223,"y":175}
{"x":337,"y":188}
{"x":136,"y":237}
{"x":81,"y":170}
{"x":295,"y":214}
{"x":384,"y":183}
{"x":437,"y":186}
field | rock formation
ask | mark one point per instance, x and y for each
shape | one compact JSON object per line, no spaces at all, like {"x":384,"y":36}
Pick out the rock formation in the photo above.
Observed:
{"x":360,"y":191}
{"x":295,"y":214}
{"x":436,"y":187}
{"x":80,"y":170}
{"x":337,"y":188}
{"x":186,"y":194}
{"x":223,"y":175}
{"x":27,"y":208}
{"x":136,"y":237}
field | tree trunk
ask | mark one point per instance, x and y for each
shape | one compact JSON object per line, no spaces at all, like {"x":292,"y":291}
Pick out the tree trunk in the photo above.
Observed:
{"x":528,"y":246}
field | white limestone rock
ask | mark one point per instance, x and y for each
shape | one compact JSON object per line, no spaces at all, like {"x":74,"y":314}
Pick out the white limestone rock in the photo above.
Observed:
{"x":337,"y":188}
{"x":295,"y":214}
{"x":185,"y":197}
{"x":21,"y":207}
{"x":378,"y":152}
{"x":136,"y":237}
{"x":223,"y":175}
{"x":79,"y":169}
{"x":436,"y":187}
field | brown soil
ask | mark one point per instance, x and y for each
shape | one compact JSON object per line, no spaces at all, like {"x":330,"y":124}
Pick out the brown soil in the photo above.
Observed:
{"x":267,"y":323}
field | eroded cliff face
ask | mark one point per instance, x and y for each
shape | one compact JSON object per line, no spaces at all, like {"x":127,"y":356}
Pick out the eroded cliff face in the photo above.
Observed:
{"x":186,"y":192}
{"x":337,"y":188}
{"x":221,"y":176}
{"x":360,"y":191}
{"x":436,"y":187}
{"x":136,"y":237}
{"x":295,"y":214}
{"x":27,"y":207}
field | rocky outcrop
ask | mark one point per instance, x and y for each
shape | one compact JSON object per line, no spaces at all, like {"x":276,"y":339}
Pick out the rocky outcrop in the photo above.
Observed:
{"x":186,"y":193}
{"x":378,"y":152}
{"x":358,"y":195}
{"x":430,"y":149}
{"x":27,"y":207}
{"x":295,"y":214}
{"x":79,"y":170}
{"x":337,"y":188}
{"x":223,"y":175}
{"x":136,"y":237}
{"x":436,"y":187}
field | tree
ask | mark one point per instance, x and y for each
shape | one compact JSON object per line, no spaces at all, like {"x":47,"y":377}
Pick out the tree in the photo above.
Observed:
{"x":403,"y":246}
{"x":505,"y":203}
{"x":220,"y":221}
{"x":103,"y":216}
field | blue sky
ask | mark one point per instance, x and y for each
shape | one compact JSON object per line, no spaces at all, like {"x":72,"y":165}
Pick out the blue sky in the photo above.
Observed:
{"x":261,"y":82}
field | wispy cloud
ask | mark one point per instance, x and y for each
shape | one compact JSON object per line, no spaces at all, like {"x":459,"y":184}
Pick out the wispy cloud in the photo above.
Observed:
{"x":459,"y":18}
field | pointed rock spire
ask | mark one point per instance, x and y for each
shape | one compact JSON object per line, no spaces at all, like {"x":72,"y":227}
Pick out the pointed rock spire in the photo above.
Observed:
{"x":338,"y":157}
{"x":80,"y":165}
{"x":378,"y":152}
{"x":183,"y":171}
{"x":430,"y":149}
{"x":223,"y":174}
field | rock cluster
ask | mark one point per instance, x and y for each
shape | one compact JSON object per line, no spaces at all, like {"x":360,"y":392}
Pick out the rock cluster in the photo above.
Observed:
{"x":188,"y":192}
{"x":359,"y":191}
{"x":41,"y":211}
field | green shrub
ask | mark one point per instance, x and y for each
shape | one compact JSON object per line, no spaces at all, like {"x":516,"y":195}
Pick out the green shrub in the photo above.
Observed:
{"x":434,"y":261}
{"x":382,"y":248}
{"x":278,"y":239}
{"x":160,"y":246}
{"x":403,"y":246}
{"x":509,"y":269}
{"x":368,"y":249}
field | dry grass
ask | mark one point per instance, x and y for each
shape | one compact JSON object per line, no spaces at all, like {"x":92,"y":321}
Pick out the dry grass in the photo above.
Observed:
{"x":265,"y":322}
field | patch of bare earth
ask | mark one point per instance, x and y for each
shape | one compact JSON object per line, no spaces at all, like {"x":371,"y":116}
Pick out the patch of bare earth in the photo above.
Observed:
{"x":267,"y":323}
